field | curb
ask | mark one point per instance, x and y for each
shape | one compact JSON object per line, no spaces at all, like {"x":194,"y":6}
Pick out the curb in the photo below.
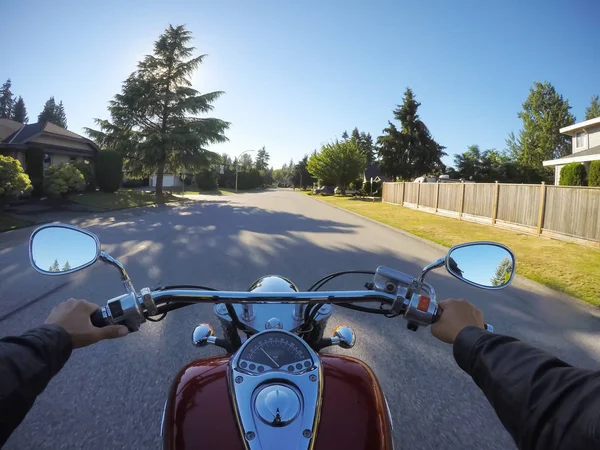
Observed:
{"x":525,"y":282}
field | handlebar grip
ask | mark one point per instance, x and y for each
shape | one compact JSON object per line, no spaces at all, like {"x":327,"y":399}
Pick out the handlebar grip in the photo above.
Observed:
{"x":438,"y":314}
{"x":98,"y":319}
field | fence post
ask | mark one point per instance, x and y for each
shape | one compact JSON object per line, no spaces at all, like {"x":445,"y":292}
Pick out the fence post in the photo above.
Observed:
{"x":495,"y":206}
{"x":462,"y":201}
{"x":418,"y":194}
{"x":437,"y":196}
{"x":403,"y":191}
{"x":542,"y":208}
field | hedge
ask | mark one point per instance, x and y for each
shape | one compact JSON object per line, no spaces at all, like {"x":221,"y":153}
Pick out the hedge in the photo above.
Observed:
{"x":206,"y":180}
{"x":13,"y":180}
{"x":594,"y":174}
{"x":109,"y":170}
{"x":63,"y":179}
{"x":87,"y":170}
{"x":34,"y":158}
{"x":573,"y":174}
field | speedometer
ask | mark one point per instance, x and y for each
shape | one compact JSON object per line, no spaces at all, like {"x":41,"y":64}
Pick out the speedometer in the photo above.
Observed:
{"x":275,"y":351}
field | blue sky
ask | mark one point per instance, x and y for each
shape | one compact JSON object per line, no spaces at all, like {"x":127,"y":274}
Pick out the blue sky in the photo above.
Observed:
{"x":297,"y":73}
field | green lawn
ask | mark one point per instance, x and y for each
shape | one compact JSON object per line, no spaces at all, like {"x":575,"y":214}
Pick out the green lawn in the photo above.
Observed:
{"x":570,"y":268}
{"x":8,"y":223}
{"x":121,"y":199}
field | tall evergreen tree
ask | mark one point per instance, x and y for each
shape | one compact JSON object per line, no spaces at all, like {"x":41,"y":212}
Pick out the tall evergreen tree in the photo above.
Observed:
{"x":53,"y":113}
{"x":19,"y":111}
{"x":593,"y":111}
{"x":345,"y":136}
{"x":154,"y":119}
{"x":544,"y":113}
{"x":365,"y":143}
{"x":262,"y":159}
{"x":6,"y":100}
{"x":410,"y":151}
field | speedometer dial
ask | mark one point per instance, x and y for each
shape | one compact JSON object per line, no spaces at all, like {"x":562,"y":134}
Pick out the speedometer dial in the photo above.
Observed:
{"x":275,"y":351}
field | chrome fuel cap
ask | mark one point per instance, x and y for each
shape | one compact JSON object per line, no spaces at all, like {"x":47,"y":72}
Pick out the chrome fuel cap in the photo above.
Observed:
{"x":277,"y":405}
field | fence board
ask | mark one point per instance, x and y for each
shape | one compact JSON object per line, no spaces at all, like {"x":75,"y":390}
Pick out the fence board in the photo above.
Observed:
{"x":573,"y":211}
{"x":450,"y":196}
{"x":412,"y":192}
{"x":519,"y":203}
{"x":427,"y":195}
{"x":479,"y":199}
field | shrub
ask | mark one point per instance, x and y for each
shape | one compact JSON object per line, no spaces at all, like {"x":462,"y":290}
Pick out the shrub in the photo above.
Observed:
{"x":594,"y":174}
{"x":573,"y":174}
{"x":109,"y":170}
{"x":87,"y":170}
{"x":206,"y":180}
{"x":62,"y":180}
{"x":34,"y":158}
{"x":13,"y":180}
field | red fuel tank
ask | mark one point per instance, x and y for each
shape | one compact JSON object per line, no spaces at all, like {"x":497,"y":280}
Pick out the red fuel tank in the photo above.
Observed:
{"x":199,"y":411}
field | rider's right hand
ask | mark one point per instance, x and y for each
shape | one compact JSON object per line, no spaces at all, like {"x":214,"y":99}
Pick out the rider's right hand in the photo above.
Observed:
{"x":457,"y":314}
{"x":74,"y":316}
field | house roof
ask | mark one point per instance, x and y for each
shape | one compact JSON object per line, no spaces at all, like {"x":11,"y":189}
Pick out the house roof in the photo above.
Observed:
{"x":591,"y":154}
{"x":27,"y":133}
{"x":8,"y":127}
{"x":572,"y":129}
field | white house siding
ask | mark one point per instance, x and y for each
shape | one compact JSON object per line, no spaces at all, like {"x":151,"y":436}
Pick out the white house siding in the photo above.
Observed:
{"x":168,"y":181}
{"x":594,"y":138}
{"x":557,"y":170}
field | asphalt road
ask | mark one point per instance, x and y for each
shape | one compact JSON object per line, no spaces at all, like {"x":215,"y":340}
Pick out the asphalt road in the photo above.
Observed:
{"x":111,"y":395}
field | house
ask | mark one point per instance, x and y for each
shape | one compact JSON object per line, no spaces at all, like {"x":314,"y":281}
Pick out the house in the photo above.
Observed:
{"x":58,"y":144}
{"x":170,"y":180}
{"x":373,"y":172}
{"x":585,"y":138}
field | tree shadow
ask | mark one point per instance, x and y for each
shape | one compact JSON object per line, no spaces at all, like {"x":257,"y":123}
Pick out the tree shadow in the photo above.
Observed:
{"x":228,"y":245}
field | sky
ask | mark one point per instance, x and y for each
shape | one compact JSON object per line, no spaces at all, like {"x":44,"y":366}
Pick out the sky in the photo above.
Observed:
{"x":298,"y":73}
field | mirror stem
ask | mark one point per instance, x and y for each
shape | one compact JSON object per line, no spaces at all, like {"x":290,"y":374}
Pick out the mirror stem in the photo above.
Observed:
{"x":434,"y":265}
{"x":124,"y":277}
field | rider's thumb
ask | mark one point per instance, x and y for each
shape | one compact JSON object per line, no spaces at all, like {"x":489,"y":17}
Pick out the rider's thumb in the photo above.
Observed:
{"x":113,"y":331}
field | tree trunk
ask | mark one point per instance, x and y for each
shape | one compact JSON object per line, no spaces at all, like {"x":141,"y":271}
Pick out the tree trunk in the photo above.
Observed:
{"x":160,"y":172}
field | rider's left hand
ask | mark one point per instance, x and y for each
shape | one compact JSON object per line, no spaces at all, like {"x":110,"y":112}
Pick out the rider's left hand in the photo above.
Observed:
{"x":74,"y":316}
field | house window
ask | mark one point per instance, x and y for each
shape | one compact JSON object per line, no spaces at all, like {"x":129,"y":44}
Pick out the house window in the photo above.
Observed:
{"x":47,"y":160}
{"x":72,"y":159}
{"x":580,"y":140}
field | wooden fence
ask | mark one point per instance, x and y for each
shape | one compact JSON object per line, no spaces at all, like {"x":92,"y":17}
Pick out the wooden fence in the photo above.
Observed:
{"x":561,"y":212}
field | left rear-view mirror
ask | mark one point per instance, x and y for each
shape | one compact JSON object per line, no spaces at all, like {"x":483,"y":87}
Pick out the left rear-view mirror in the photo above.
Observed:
{"x":61,"y":249}
{"x":487,"y":265}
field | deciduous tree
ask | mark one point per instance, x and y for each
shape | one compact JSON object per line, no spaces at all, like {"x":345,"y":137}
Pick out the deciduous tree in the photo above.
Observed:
{"x":410,"y":151}
{"x":340,"y":162}
{"x":154,"y":120}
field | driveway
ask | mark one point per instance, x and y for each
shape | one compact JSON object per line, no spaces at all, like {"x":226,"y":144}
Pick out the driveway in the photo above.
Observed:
{"x":111,"y":395}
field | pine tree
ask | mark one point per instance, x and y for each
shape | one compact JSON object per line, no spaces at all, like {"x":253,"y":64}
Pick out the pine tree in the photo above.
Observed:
{"x":503,"y":273}
{"x":19,"y":113}
{"x":593,"y":111}
{"x":154,"y":120}
{"x":410,"y":151}
{"x":544,"y":113}
{"x":54,"y":267}
{"x":66,"y":267}
{"x":53,"y":113}
{"x":262,"y":159}
{"x":6,"y":100}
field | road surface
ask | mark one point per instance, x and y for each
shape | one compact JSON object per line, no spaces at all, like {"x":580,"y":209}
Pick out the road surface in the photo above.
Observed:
{"x":111,"y":395}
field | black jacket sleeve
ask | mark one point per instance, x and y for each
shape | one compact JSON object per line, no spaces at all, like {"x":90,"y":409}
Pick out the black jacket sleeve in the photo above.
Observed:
{"x":27,"y":364}
{"x":543,"y":402}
